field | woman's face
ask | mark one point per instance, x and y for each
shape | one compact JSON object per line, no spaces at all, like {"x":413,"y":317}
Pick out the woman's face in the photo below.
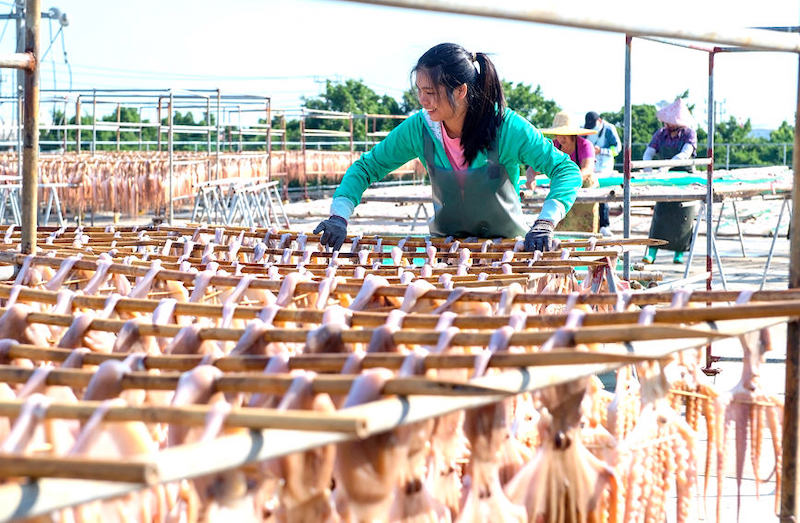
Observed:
{"x":566,"y":141}
{"x":433,"y":98}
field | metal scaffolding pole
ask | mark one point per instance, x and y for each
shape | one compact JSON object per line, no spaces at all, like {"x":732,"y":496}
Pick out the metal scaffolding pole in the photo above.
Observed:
{"x":171,"y":146}
{"x":19,"y":12}
{"x":633,"y":23}
{"x":626,"y":159}
{"x":791,"y":407}
{"x":158,"y":127}
{"x":710,"y":173}
{"x":78,"y":125}
{"x":710,"y":358}
{"x":65,"y":126}
{"x":219,"y":130}
{"x":16,"y":60}
{"x":268,"y":137}
{"x":30,"y":151}
{"x":119,"y":120}
{"x":94,"y":128}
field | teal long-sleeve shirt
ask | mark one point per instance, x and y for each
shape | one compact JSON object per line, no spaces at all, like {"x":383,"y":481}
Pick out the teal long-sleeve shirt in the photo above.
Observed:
{"x":518,"y":143}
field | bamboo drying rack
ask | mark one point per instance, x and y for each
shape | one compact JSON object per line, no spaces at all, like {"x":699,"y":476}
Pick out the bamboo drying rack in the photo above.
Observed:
{"x":762,"y":304}
{"x":260,"y":233}
{"x":408,"y":399}
{"x":245,"y":447}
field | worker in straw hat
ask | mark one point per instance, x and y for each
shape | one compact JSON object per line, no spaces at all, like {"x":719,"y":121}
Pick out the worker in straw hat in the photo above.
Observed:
{"x":472,"y":146}
{"x":676,"y":140}
{"x":569,"y":138}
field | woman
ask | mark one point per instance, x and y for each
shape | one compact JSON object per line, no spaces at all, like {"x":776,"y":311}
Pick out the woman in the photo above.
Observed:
{"x":677,"y":140}
{"x":472,"y":146}
{"x":569,"y":138}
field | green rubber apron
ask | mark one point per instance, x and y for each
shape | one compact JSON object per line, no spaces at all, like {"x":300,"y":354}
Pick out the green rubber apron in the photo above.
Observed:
{"x":478,"y":202}
{"x":672,"y":221}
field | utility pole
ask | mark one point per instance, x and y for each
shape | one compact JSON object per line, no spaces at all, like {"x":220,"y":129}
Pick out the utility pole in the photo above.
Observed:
{"x":19,"y":14}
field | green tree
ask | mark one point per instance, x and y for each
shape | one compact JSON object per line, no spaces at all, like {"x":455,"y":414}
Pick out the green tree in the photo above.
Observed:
{"x":643,"y":124}
{"x":410,"y":102}
{"x":783,"y":134}
{"x":530,"y":103}
{"x":352,"y":96}
{"x":748,"y":149}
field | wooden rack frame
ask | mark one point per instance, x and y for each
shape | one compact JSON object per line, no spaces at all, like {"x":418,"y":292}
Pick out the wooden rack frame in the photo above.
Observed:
{"x":226,"y":452}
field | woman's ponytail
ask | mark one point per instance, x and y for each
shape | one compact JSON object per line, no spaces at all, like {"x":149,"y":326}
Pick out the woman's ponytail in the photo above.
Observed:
{"x":485,"y":109}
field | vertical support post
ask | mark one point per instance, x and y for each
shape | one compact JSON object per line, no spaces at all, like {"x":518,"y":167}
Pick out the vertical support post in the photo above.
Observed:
{"x":710,"y":173}
{"x":283,"y":132}
{"x":791,"y":406}
{"x":216,"y":174}
{"x":158,"y":127}
{"x":303,"y":152}
{"x":208,"y":126}
{"x":352,"y":144}
{"x":728,"y":156}
{"x":19,"y":20}
{"x":65,"y":125}
{"x":208,"y":139}
{"x":94,"y":120}
{"x":170,"y":145}
{"x":784,"y":154}
{"x":710,"y":358}
{"x":626,"y":159}
{"x":30,"y":151}
{"x":119,"y":121}
{"x":78,"y":125}
{"x":141,"y":128}
{"x":20,"y":11}
{"x":269,"y":139}
{"x":366,"y":132}
{"x":285,"y":157}
{"x":239,"y":108}
{"x":20,"y":123}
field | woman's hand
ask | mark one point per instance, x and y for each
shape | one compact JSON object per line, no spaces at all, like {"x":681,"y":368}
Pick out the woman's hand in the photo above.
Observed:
{"x":334,"y":232}
{"x":540,"y":237}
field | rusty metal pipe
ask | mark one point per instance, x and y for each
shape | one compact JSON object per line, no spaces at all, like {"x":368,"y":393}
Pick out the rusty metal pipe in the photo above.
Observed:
{"x":634,"y":23}
{"x":30,"y":146}
{"x":790,"y":488}
{"x":626,"y":159}
{"x":24,"y":61}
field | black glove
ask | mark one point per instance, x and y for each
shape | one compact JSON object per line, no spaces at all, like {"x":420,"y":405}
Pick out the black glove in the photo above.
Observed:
{"x":334,"y":232}
{"x":540,"y":237}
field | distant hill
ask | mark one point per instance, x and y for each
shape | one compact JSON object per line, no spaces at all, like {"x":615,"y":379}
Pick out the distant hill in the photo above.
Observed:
{"x":760,"y":133}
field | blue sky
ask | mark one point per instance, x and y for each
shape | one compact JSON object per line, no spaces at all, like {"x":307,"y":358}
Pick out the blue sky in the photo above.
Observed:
{"x":284,"y":49}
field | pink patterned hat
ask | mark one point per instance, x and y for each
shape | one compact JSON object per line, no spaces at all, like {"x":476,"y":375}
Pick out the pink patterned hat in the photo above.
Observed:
{"x":676,"y":113}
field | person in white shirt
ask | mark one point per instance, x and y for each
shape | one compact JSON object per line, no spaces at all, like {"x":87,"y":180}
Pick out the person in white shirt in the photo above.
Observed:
{"x":606,"y":146}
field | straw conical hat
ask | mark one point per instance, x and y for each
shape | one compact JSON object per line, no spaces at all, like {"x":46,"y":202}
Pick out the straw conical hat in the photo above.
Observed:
{"x":676,"y":113}
{"x":564,"y":126}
